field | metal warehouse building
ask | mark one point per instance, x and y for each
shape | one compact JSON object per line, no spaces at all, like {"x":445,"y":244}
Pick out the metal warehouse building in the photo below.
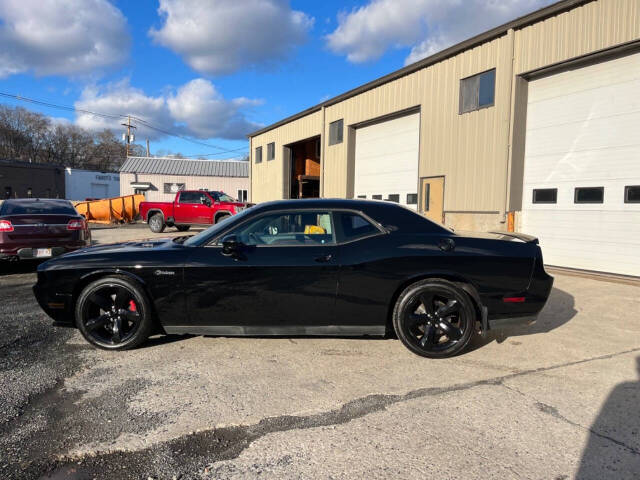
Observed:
{"x":538,"y":119}
{"x":159,"y":178}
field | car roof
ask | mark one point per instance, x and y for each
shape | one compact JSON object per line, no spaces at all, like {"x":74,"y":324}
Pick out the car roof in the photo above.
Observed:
{"x":34,"y":200}
{"x":355,"y":204}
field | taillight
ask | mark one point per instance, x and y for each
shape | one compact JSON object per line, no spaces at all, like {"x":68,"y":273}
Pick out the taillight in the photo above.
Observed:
{"x":76,"y":225}
{"x":6,"y":226}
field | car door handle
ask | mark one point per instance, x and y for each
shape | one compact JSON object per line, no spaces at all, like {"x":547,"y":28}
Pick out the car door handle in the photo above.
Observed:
{"x":324,"y":258}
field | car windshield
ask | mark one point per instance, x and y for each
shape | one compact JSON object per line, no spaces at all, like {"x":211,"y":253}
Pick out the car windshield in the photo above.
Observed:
{"x":37,"y":208}
{"x":212,"y":231}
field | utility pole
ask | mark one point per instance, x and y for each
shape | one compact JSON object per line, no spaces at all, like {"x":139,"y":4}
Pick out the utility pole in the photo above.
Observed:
{"x":148,"y":154}
{"x":129,"y":136}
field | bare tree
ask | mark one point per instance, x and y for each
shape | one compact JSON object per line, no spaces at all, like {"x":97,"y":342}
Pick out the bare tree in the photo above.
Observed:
{"x":33,"y":137}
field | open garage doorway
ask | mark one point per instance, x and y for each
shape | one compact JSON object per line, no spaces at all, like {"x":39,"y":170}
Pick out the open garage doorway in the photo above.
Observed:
{"x":302,"y":169}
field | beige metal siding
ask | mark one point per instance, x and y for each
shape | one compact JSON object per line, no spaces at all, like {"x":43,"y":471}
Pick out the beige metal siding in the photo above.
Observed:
{"x":588,"y":28}
{"x":229,"y":185}
{"x":469,"y":148}
{"x":473,"y":151}
{"x":267,"y":177}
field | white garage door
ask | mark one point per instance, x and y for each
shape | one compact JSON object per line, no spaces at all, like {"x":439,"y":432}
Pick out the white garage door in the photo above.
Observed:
{"x":583,"y":141}
{"x":387,"y":160}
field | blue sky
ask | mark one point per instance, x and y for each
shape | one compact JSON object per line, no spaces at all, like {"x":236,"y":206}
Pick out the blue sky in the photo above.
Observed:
{"x":214,"y":70}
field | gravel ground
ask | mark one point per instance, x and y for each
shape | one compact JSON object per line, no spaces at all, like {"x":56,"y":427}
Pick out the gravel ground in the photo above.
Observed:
{"x":557,"y":400}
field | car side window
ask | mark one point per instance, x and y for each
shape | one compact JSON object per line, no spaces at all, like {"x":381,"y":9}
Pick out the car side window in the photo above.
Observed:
{"x":288,"y":228}
{"x":354,"y":226}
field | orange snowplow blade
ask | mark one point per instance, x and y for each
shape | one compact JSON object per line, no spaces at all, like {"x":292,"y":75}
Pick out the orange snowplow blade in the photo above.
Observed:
{"x":111,"y":210}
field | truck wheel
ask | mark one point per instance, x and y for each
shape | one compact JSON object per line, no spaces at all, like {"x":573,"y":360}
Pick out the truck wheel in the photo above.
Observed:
{"x":183,"y":228}
{"x":156,"y":223}
{"x":222,"y":216}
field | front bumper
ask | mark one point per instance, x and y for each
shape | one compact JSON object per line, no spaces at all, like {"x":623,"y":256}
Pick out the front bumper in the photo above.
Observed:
{"x":58,"y":306}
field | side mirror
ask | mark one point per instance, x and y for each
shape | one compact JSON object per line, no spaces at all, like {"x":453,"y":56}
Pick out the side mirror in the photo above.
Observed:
{"x":230,"y":245}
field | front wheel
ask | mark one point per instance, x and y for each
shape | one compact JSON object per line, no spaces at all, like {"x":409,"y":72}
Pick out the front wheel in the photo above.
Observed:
{"x":114,"y":314}
{"x":434,"y":318}
{"x":156,"y":223}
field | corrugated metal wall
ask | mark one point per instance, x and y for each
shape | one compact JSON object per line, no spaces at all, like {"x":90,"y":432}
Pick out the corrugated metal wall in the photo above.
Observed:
{"x":471,"y":150}
{"x":229,"y":185}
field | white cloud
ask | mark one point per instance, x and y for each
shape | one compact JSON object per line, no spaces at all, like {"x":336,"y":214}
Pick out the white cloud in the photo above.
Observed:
{"x":222,"y":36}
{"x":196,"y":109}
{"x":61,"y":37}
{"x":427,"y":26}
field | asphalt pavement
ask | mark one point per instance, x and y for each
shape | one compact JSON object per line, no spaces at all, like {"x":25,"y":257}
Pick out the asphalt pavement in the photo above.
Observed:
{"x":556,"y":400}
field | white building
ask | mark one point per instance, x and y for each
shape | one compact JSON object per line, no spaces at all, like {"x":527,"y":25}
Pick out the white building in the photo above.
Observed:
{"x":83,"y":184}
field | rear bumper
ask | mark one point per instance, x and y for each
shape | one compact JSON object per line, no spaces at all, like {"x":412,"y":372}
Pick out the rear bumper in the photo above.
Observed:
{"x":499,"y":323}
{"x":28,"y":253}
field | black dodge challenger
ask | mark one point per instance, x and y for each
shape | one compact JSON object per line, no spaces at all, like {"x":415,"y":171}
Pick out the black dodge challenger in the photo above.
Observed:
{"x":302,"y":267}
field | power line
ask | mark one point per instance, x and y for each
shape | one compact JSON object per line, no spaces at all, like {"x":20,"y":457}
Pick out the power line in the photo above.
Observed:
{"x":118,"y":117}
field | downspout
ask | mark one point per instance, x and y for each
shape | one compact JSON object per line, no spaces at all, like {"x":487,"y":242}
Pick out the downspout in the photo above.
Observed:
{"x":507,"y":186}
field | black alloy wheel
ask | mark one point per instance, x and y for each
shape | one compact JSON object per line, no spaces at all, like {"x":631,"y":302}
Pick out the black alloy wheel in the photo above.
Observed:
{"x":156,"y":223}
{"x":434,"y":318}
{"x":114,"y":314}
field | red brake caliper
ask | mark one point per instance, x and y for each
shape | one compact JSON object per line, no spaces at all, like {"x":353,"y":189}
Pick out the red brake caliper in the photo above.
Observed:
{"x":132,"y":306}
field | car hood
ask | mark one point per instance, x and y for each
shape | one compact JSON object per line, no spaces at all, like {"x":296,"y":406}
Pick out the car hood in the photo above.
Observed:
{"x":123,"y":247}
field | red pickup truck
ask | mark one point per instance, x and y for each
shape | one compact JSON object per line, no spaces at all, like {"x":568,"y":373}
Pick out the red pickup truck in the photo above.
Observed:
{"x":190,"y":207}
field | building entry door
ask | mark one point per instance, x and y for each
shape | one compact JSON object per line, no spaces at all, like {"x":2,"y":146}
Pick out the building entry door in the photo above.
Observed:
{"x":432,"y":198}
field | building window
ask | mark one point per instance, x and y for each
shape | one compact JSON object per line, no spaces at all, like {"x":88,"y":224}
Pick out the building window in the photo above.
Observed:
{"x":271,"y":151}
{"x":242,"y":195}
{"x":173,"y":187}
{"x":545,"y":195}
{"x":258,"y":155}
{"x":632,"y":194}
{"x":376,"y":197}
{"x":477,"y":92}
{"x":427,"y":192}
{"x":335,"y":132}
{"x":393,"y":197}
{"x":412,"y":198}
{"x":589,"y":195}
{"x":362,"y":196}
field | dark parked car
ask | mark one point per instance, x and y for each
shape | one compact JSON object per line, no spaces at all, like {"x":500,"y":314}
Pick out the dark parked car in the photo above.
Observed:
{"x":40,"y":228}
{"x":303,"y":267}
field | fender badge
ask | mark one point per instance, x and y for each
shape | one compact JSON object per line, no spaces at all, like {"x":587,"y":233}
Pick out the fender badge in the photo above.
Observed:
{"x":164,"y":272}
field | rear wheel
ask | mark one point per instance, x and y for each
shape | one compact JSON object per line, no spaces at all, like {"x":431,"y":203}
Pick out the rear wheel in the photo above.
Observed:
{"x":114,"y":314}
{"x":156,"y":223}
{"x":183,"y":228}
{"x":434,"y":318}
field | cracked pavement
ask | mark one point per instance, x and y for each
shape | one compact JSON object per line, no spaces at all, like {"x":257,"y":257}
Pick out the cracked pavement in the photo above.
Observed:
{"x":559,"y":399}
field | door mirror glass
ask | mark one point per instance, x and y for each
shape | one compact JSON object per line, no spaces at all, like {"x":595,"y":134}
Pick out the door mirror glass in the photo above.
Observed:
{"x":230,"y":245}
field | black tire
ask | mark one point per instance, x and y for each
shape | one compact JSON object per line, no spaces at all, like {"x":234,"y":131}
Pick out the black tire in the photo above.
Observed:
{"x":434,"y":318}
{"x":222,"y":216}
{"x":114,"y":313}
{"x":156,"y":223}
{"x":183,"y":228}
